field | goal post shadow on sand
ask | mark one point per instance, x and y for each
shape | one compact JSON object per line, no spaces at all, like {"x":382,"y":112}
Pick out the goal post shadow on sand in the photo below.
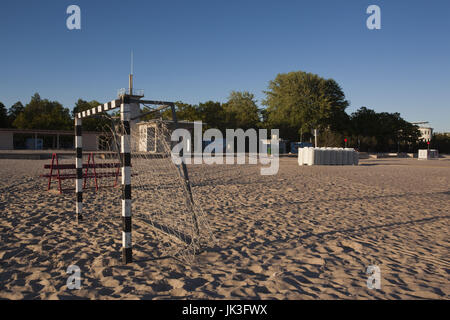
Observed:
{"x":125,"y":163}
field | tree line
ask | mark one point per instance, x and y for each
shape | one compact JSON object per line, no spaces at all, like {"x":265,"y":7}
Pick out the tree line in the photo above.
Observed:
{"x":296,"y":103}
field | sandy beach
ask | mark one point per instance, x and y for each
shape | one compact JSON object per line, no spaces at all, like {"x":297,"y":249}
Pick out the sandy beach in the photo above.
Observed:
{"x":305,"y":233}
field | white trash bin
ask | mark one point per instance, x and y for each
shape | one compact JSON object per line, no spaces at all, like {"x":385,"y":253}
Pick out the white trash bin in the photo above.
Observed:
{"x":327,"y":156}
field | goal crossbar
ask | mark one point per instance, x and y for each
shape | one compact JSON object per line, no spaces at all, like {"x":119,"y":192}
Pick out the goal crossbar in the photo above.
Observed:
{"x":114,"y":104}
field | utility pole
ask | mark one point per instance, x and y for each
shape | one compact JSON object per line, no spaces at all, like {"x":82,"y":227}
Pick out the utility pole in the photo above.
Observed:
{"x":130,"y":79}
{"x":315,"y":138}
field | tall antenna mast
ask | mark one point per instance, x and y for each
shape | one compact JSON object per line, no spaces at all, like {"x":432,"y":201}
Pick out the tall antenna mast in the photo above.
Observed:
{"x":131,"y":62}
{"x":130,"y":80}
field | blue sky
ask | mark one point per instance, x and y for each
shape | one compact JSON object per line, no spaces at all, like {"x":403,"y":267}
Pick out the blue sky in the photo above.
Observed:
{"x":194,"y":51}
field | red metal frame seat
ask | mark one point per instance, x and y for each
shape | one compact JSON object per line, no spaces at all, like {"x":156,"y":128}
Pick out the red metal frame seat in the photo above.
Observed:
{"x":55,"y":166}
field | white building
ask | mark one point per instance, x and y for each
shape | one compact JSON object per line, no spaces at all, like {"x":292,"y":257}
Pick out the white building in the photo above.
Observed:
{"x":33,"y":139}
{"x":426,"y":133}
{"x":154,"y":135}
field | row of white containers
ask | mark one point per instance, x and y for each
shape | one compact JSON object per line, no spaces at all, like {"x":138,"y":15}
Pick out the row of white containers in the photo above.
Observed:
{"x":327,"y":156}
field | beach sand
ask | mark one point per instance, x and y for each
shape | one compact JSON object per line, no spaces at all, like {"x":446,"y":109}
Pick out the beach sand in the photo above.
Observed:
{"x":305,"y":233}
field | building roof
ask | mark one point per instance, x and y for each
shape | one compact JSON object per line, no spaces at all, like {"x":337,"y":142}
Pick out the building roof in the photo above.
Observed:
{"x":167,"y":121}
{"x":39,"y":131}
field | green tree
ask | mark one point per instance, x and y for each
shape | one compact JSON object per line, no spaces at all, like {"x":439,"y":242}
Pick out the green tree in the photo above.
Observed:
{"x":241,"y":111}
{"x":382,"y":131}
{"x":44,"y":114}
{"x":299,"y":102}
{"x":213,"y":114}
{"x":14,"y":111}
{"x":331,"y":139}
{"x":441,"y":141}
{"x":4,"y":121}
{"x":364,"y":122}
{"x":184,"y":111}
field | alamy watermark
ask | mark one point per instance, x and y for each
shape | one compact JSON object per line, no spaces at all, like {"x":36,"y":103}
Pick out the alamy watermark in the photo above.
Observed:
{"x":74,"y":280}
{"x":373,"y":22}
{"x":374,"y":279}
{"x":231,"y":150}
{"x":73,"y":22}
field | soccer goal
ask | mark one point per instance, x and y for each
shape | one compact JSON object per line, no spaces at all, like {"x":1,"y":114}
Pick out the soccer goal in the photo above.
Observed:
{"x":155,"y":191}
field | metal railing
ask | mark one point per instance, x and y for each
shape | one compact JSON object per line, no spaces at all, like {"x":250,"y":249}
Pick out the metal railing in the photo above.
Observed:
{"x":132,"y":92}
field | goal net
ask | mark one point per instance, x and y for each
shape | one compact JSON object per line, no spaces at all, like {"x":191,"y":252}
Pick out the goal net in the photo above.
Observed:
{"x":167,"y":218}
